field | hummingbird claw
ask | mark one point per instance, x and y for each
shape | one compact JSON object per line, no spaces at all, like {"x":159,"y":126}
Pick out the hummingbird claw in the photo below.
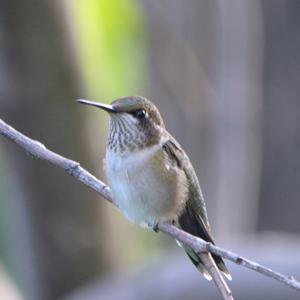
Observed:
{"x":155,"y":228}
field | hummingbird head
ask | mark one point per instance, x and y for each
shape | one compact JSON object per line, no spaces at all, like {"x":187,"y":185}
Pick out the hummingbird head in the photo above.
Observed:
{"x":134,"y":124}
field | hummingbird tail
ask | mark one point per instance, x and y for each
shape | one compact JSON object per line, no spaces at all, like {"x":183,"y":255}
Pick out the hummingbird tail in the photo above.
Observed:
{"x":194,"y":257}
{"x":193,"y":224}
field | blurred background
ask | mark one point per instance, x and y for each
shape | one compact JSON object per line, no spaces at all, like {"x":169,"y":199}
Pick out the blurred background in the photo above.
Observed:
{"x":225,"y":76}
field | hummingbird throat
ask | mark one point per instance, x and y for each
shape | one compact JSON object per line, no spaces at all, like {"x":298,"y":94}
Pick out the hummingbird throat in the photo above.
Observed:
{"x":126,"y":134}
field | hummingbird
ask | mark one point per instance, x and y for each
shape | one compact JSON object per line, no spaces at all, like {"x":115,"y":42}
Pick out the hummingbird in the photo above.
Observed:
{"x":151,"y":177}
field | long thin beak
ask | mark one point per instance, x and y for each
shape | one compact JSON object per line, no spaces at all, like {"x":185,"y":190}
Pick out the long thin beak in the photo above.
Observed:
{"x":106,"y":107}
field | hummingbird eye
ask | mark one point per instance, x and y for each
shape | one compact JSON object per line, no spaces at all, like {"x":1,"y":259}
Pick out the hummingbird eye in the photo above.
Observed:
{"x":140,"y":114}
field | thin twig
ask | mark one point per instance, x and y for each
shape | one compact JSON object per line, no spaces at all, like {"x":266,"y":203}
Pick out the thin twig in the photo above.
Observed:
{"x":200,"y":246}
{"x":38,"y":150}
{"x":218,"y":279}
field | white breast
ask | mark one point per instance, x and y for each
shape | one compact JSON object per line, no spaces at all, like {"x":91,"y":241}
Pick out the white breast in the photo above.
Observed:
{"x":140,"y":192}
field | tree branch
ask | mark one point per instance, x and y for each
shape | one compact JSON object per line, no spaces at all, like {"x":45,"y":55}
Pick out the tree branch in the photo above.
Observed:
{"x":39,"y":151}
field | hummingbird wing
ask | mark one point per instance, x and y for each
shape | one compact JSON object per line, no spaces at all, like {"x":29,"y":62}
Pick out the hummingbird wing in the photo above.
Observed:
{"x":194,"y":218}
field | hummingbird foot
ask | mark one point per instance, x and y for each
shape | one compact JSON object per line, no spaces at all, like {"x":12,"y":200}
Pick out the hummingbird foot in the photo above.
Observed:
{"x":155,"y":228}
{"x":150,"y":225}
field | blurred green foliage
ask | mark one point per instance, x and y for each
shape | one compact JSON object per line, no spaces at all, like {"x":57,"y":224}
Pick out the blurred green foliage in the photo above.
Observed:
{"x":112,"y":46}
